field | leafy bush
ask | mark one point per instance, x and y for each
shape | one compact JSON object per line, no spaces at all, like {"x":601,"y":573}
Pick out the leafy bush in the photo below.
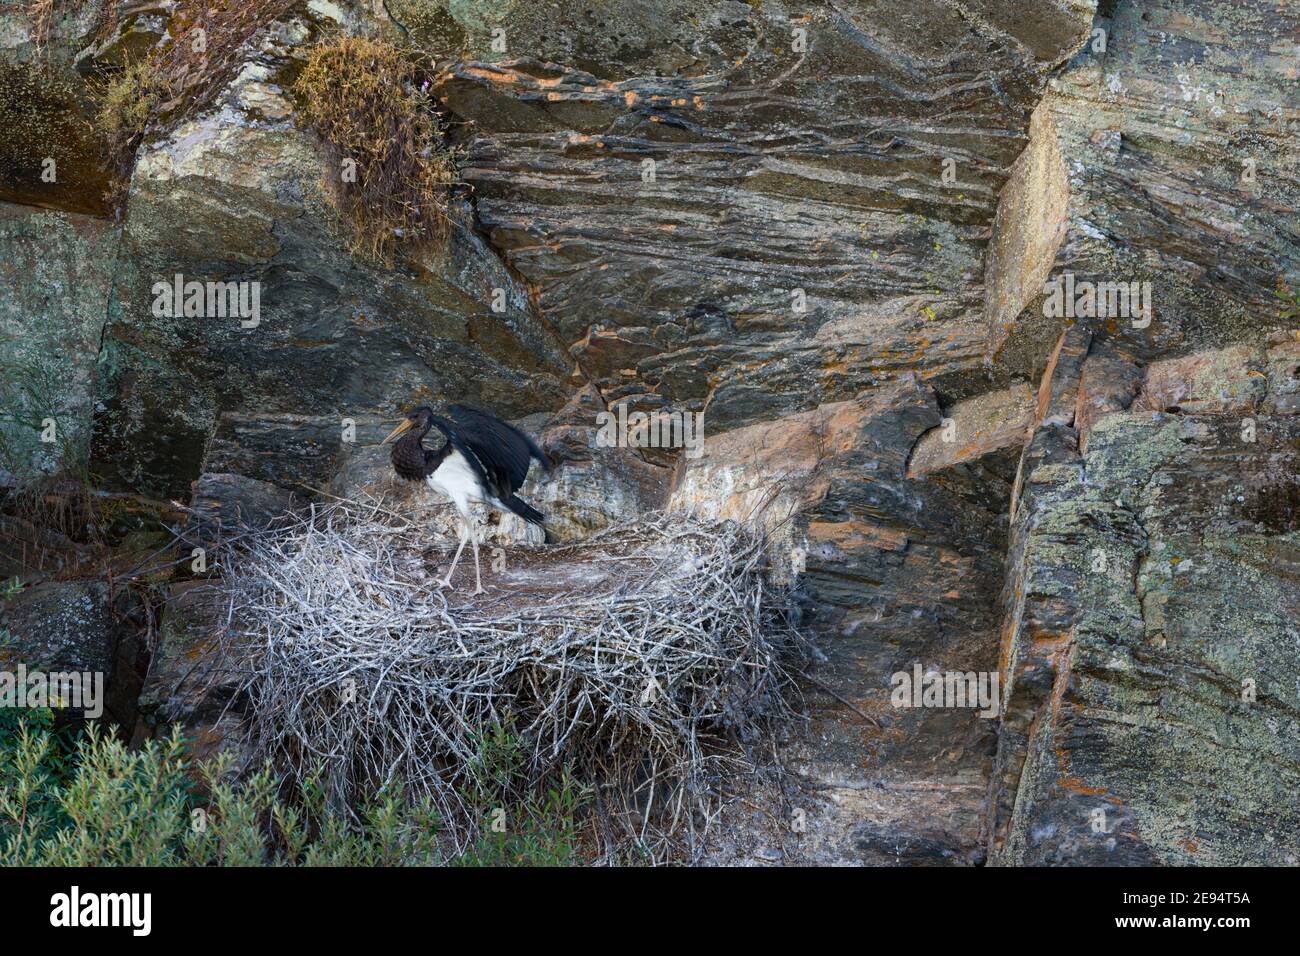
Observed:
{"x":33,"y":388}
{"x":390,"y":170}
{"x":93,"y":801}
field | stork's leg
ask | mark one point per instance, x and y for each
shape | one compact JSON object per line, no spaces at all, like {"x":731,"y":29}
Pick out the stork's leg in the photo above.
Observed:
{"x":478,"y":580}
{"x":464,"y":533}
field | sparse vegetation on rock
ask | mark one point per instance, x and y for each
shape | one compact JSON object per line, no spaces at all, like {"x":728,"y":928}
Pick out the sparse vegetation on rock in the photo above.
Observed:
{"x":828,"y":228}
{"x":647,"y":661}
{"x":148,"y":92}
{"x":389,"y":169}
{"x":128,"y":101}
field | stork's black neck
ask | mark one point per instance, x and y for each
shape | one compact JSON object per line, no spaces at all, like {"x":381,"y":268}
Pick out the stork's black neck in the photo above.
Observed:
{"x":411,"y":460}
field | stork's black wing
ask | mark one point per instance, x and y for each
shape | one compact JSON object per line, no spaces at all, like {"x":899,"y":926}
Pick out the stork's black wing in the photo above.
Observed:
{"x":502,"y":451}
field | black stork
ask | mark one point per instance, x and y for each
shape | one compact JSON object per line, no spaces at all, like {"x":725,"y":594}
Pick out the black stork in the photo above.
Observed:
{"x":483,"y":459}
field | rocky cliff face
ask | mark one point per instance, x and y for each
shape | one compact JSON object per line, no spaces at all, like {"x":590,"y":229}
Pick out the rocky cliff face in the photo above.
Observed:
{"x":827,"y":229}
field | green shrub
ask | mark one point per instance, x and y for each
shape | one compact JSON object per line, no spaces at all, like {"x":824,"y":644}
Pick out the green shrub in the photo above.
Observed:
{"x":1289,"y":301}
{"x":93,"y":801}
{"x":34,"y":765}
{"x":537,"y":829}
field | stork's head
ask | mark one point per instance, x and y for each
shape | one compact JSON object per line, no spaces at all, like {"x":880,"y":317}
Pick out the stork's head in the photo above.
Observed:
{"x":418,"y":418}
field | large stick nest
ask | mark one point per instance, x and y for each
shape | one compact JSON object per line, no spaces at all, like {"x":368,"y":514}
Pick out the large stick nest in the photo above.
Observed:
{"x":646,"y":660}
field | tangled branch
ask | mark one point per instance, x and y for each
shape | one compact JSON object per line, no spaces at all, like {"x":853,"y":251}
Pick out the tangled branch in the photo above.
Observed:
{"x":646,"y":661}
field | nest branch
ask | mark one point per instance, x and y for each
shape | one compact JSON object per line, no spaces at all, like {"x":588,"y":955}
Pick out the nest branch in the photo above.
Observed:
{"x":647,"y":660}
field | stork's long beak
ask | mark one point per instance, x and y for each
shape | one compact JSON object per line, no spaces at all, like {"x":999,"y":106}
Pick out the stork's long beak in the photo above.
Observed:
{"x":406,"y":423}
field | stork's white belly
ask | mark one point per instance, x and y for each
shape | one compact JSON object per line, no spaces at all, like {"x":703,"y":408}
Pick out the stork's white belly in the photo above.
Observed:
{"x":455,"y":479}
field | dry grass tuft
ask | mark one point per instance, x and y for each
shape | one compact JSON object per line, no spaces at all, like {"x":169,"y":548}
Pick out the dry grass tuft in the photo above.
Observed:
{"x":368,"y":102}
{"x":646,"y":661}
{"x":54,"y":504}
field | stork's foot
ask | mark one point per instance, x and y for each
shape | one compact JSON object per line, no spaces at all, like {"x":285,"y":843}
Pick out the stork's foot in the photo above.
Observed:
{"x":445,"y":583}
{"x":479,"y":590}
